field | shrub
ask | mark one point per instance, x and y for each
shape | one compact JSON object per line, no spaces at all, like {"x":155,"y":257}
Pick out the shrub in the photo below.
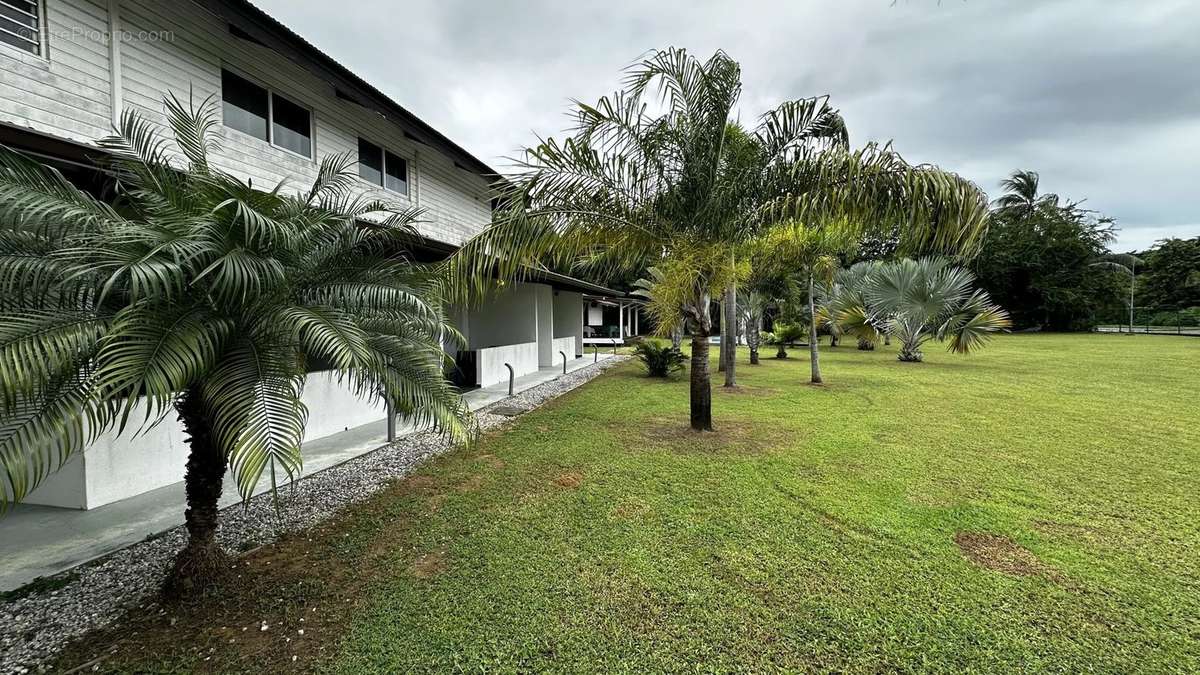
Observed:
{"x":789,"y":333}
{"x":660,"y":360}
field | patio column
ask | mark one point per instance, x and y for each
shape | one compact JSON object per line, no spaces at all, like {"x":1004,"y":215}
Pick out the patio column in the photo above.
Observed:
{"x":620,"y":320}
{"x":634,"y":309}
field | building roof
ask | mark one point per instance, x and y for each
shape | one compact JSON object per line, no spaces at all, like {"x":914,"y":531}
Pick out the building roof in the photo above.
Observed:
{"x":252,"y":23}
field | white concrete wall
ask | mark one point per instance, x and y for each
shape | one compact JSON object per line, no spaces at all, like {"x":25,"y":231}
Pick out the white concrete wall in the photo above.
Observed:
{"x":333,"y":408}
{"x":116,"y":467}
{"x":595,"y":315}
{"x":66,"y":487}
{"x":68,"y":93}
{"x":507,"y":318}
{"x":568,"y":319}
{"x":544,"y":318}
{"x":489,"y":363}
{"x":563,"y":345}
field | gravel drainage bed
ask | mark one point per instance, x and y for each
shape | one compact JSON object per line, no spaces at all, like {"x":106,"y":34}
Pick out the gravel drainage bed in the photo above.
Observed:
{"x":57,"y":609}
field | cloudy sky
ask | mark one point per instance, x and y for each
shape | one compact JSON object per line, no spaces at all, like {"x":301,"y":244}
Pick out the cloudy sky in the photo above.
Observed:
{"x":1101,"y":97}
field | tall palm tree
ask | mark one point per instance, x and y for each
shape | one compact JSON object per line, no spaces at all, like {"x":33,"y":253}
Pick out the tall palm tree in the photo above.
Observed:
{"x":1021,"y":198}
{"x":198,"y":294}
{"x":646,"y":177}
{"x":933,"y":299}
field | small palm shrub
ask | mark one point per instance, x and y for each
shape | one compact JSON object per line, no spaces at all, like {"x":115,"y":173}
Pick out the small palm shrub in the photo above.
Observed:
{"x":785,"y":334}
{"x":660,"y":360}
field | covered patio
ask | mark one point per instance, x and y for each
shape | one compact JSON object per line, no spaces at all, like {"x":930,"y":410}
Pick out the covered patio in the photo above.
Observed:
{"x":611,"y":320}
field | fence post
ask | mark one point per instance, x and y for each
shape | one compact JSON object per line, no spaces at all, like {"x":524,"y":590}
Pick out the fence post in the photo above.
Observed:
{"x":391,"y":422}
{"x":511,"y":376}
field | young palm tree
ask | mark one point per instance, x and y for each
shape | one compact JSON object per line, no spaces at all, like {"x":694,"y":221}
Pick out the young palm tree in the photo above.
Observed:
{"x":645,"y":187}
{"x":199,"y":294}
{"x":933,"y":299}
{"x":752,"y":306}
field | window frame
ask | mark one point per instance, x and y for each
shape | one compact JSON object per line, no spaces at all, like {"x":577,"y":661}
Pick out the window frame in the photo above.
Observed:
{"x":271,"y":94}
{"x":384,"y":151}
{"x":43,"y":44}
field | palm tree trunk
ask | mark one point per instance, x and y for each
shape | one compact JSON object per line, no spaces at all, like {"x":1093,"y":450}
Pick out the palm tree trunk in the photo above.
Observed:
{"x":701,"y":391}
{"x":724,"y":338}
{"x":730,"y":319}
{"x":202,"y":561}
{"x":813,"y":347}
{"x":753,"y":333}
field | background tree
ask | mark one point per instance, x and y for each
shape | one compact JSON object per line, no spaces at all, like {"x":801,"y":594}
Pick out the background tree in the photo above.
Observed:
{"x":1171,"y":275}
{"x":1036,"y":259}
{"x":644,"y":179}
{"x":1126,"y":264}
{"x":202,"y":295}
{"x":933,"y":299}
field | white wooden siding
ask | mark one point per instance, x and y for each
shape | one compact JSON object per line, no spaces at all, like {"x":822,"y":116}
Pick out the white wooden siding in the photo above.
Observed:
{"x":67,"y":95}
{"x":65,"y":91}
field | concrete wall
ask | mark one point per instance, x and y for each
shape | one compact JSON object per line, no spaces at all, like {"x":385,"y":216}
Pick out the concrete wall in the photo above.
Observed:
{"x":563,"y":345}
{"x":489,"y":363}
{"x":508,"y":318}
{"x":73,"y":89}
{"x":544,"y":316}
{"x":568,"y":318}
{"x":116,"y":467}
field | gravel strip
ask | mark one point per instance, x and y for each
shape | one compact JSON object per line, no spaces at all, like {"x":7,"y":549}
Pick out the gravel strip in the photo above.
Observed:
{"x":35,"y":627}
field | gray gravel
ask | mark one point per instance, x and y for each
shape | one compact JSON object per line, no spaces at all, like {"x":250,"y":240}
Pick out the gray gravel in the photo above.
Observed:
{"x":33,"y":628}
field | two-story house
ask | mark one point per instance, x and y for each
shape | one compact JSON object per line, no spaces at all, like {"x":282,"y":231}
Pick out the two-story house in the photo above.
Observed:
{"x":70,"y":67}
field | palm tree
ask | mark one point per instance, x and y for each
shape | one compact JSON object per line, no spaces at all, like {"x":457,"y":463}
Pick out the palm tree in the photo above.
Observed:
{"x":932,"y":298}
{"x":812,"y":251}
{"x":641,"y":187}
{"x":196,"y":293}
{"x":1127,"y":263}
{"x":846,"y":305}
{"x":752,"y":306}
{"x":644,"y":287}
{"x":1021,"y":198}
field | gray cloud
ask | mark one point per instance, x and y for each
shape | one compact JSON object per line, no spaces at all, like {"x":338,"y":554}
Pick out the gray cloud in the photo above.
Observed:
{"x":1103,"y":98}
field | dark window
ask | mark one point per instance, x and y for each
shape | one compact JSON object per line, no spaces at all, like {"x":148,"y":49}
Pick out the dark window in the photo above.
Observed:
{"x":244,"y":105}
{"x":291,"y":127}
{"x":20,"y":25}
{"x":370,"y":162}
{"x":395,"y":173}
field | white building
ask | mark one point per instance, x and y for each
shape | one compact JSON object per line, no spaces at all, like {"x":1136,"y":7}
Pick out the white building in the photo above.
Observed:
{"x":70,"y":67}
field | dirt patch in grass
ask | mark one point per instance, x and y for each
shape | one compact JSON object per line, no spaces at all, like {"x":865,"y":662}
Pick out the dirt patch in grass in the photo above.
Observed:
{"x":570,"y":480}
{"x":631,"y":509}
{"x":284,"y":606}
{"x":729,"y":437}
{"x":429,"y":565}
{"x":492,"y":461}
{"x":1001,"y":554}
{"x":471,"y":484}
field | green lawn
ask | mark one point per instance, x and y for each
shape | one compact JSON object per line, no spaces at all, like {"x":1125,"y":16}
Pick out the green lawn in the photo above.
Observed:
{"x":1031,"y":507}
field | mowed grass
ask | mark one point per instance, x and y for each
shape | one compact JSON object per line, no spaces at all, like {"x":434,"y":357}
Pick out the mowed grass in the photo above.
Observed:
{"x":816,"y":529}
{"x":1034,"y":506}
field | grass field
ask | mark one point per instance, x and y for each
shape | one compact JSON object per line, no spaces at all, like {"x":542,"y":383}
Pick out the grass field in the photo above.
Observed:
{"x":1031,"y":507}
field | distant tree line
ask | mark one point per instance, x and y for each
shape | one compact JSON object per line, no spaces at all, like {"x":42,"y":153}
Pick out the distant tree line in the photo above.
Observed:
{"x":1038,"y":261}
